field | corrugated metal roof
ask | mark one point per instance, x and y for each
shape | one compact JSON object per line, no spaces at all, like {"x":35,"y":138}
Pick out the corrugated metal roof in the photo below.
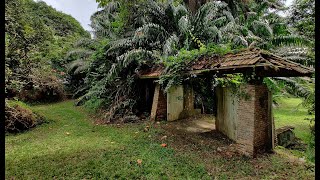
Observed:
{"x":249,"y":58}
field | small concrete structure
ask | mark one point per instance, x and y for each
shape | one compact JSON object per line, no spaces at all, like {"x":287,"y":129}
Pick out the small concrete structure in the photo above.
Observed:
{"x":249,"y":121}
{"x":285,"y":136}
{"x":245,"y":119}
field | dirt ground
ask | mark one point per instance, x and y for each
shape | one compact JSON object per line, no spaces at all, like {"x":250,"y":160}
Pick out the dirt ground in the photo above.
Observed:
{"x":197,"y":136}
{"x":197,"y":133}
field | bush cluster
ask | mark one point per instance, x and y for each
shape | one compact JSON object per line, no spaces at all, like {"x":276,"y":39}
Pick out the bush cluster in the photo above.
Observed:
{"x":18,"y":118}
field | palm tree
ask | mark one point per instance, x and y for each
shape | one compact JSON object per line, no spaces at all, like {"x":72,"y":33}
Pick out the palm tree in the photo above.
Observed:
{"x":166,"y":29}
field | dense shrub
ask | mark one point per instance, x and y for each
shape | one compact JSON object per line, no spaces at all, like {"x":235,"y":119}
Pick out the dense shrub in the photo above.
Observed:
{"x":42,"y":87}
{"x":19,"y":118}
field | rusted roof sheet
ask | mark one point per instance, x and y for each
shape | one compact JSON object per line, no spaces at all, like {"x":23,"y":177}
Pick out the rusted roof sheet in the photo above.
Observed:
{"x":153,"y":72}
{"x":249,"y":58}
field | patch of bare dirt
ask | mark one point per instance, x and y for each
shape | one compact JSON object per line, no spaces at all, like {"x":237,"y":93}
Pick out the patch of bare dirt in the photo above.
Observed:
{"x":219,"y":154}
{"x":179,"y":136}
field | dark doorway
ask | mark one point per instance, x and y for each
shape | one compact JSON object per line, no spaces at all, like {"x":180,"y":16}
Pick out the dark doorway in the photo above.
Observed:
{"x":146,"y":91}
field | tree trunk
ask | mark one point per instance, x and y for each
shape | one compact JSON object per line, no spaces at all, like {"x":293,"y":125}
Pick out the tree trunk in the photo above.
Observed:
{"x":194,"y":5}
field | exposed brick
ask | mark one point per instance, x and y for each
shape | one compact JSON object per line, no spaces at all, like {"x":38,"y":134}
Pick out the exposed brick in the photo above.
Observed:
{"x":162,"y":106}
{"x":254,"y":121}
{"x":245,"y":122}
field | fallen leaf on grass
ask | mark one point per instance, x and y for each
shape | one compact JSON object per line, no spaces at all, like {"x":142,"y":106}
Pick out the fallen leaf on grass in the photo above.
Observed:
{"x":67,"y":133}
{"x":163,"y":145}
{"x":139,"y":161}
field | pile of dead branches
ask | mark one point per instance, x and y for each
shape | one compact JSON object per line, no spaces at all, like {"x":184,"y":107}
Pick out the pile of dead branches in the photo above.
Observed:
{"x":19,"y":119}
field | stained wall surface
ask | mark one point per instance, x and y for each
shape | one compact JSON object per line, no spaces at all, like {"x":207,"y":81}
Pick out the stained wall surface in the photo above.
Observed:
{"x":175,"y":101}
{"x":246,"y":119}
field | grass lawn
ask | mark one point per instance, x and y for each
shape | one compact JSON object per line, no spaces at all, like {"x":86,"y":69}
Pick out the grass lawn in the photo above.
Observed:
{"x":292,"y":113}
{"x":71,"y":146}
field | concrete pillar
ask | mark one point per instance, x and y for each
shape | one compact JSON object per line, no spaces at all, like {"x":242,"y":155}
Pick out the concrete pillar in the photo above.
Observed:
{"x":246,"y":120}
{"x":175,"y":103}
{"x":155,"y":102}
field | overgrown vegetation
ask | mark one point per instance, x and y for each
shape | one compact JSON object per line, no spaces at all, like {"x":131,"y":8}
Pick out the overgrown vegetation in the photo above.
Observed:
{"x":19,"y":117}
{"x":151,"y":33}
{"x":37,"y":39}
{"x":128,"y":37}
{"x":49,"y":56}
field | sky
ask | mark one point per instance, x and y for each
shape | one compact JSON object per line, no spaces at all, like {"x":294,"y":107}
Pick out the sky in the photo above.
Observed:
{"x":81,"y":10}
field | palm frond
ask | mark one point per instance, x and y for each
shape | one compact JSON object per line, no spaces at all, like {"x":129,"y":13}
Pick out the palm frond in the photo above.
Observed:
{"x":118,"y":45}
{"x":289,"y":40}
{"x":262,"y":28}
{"x":150,"y":32}
{"x":84,"y":53}
{"x":294,"y":87}
{"x":240,"y":40}
{"x":183,"y":24}
{"x":78,"y":66}
{"x":179,"y":12}
{"x":170,"y":45}
{"x":85,"y":43}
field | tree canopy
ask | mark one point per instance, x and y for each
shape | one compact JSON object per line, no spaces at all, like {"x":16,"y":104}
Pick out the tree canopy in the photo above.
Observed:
{"x":136,"y":35}
{"x":37,"y":39}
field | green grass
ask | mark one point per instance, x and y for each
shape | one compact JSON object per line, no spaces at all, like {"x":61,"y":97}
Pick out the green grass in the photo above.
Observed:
{"x":91,"y":150}
{"x":19,"y":103}
{"x":71,"y":146}
{"x":291,"y":112}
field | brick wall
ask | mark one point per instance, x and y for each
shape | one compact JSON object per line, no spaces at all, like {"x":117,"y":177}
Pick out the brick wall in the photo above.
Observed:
{"x":162,"y":106}
{"x":262,"y":120}
{"x":254,"y":122}
{"x":245,"y":122}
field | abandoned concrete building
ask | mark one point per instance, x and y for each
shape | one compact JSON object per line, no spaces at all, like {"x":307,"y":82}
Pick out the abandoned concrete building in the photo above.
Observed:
{"x":247,"y":121}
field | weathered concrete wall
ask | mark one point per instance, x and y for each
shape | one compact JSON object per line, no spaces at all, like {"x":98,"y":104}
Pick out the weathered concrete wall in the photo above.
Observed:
{"x":188,"y":103}
{"x":226,"y":121}
{"x":175,"y":103}
{"x":188,"y":98}
{"x":247,"y":121}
